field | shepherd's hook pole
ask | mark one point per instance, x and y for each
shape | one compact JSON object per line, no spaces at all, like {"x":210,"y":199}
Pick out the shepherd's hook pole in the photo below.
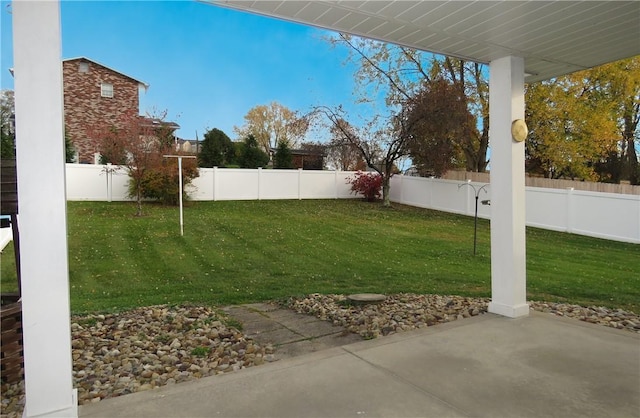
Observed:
{"x":475,"y":218}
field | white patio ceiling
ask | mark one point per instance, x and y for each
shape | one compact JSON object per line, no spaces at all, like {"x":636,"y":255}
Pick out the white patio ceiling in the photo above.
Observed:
{"x":553,"y":37}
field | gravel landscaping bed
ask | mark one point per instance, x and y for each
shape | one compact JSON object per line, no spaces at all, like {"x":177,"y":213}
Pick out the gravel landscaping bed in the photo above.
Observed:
{"x":117,"y":354}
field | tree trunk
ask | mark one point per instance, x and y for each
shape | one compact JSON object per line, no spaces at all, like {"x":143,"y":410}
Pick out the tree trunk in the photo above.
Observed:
{"x":139,"y":200}
{"x":386,"y":186}
{"x":632,"y":163}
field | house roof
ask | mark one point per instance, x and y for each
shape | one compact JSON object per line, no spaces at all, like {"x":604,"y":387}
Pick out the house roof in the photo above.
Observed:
{"x":156,"y":123}
{"x":554,"y":37}
{"x":141,"y":83}
{"x":317,"y":153}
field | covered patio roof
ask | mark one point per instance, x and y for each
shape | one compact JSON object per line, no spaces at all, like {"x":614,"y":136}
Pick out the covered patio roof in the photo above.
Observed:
{"x":553,"y":37}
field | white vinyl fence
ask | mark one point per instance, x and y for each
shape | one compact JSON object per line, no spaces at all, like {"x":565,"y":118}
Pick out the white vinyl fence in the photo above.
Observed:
{"x":603,"y":215}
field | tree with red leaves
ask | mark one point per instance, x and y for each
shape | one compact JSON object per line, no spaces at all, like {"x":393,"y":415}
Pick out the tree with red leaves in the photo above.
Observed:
{"x":138,"y":144}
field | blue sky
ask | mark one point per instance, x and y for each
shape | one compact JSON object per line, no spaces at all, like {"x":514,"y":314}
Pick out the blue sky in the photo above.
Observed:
{"x":206,"y":65}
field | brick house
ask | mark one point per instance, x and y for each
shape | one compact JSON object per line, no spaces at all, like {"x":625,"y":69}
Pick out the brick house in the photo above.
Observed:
{"x":311,"y":158}
{"x":95,"y":94}
{"x":308,"y":159}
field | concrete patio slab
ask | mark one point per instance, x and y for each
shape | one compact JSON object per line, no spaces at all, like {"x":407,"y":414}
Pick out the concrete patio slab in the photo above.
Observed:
{"x":486,"y":366}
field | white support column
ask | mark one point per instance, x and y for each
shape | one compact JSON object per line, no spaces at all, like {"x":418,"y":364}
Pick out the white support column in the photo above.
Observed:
{"x":508,"y":263}
{"x":42,"y":204}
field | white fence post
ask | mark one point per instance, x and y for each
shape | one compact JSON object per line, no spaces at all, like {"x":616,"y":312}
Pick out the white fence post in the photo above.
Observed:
{"x":109,"y":182}
{"x":215,"y":184}
{"x":259,"y":182}
{"x":300,"y":184}
{"x":430,"y":202}
{"x":569,"y":209}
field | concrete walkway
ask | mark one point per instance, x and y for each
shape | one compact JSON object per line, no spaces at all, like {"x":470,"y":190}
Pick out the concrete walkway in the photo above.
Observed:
{"x":485,"y":366}
{"x":291,"y":334}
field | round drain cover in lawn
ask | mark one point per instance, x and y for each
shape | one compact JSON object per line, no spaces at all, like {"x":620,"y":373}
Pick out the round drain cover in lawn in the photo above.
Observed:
{"x":366,"y":297}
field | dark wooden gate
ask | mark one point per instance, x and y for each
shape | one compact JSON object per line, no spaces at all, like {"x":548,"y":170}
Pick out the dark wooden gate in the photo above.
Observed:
{"x":11,"y":360}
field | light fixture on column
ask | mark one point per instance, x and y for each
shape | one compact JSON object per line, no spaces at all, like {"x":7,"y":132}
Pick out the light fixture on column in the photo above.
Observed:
{"x":519,"y":130}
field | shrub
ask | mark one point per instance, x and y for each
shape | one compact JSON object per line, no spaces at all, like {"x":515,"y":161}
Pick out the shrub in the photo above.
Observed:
{"x":161,"y":181}
{"x":367,"y":184}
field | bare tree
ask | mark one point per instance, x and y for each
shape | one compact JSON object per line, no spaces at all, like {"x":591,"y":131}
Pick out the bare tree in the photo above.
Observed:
{"x":380,"y":143}
{"x":398,"y":74}
{"x":343,"y":155}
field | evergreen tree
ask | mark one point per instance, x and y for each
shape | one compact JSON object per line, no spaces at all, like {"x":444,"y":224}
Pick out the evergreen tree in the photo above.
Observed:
{"x":69,"y":150}
{"x":7,"y":147}
{"x":252,"y":156}
{"x":217,"y":150}
{"x":283,"y":158}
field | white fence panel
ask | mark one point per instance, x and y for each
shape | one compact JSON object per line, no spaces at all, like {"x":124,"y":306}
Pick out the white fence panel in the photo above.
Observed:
{"x":279,"y":184}
{"x":202,"y":187}
{"x":86,"y":182}
{"x":119,"y":185}
{"x":547,"y":208}
{"x":605,"y":215}
{"x":325,"y":184}
{"x":445,"y":195}
{"x":413,"y":191}
{"x":237,"y":184}
{"x":96,"y":183}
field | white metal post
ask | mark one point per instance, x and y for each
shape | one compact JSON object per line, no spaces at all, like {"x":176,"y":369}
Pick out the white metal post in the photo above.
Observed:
{"x":44,"y":266}
{"x":180,"y":196}
{"x":180,"y":157}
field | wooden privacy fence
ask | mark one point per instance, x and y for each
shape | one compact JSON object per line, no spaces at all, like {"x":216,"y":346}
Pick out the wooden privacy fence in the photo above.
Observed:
{"x":550,"y":183}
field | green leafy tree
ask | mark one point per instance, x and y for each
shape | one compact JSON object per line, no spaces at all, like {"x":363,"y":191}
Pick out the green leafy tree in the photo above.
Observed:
{"x":585,"y":125}
{"x":618,"y":83}
{"x":283,"y":157}
{"x":216,"y":150}
{"x":252,"y":155}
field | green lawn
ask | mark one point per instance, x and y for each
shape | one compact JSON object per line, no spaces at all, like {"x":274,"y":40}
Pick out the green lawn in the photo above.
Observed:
{"x":236,"y":252}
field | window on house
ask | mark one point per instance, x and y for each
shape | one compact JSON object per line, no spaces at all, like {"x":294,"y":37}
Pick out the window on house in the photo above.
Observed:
{"x":83,"y":67}
{"x":106,"y":90}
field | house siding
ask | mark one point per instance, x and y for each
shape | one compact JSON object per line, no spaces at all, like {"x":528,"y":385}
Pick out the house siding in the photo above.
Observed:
{"x":84,"y":107}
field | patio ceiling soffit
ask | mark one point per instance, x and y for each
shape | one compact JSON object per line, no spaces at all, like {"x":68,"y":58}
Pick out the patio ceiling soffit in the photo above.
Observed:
{"x":554,"y":37}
